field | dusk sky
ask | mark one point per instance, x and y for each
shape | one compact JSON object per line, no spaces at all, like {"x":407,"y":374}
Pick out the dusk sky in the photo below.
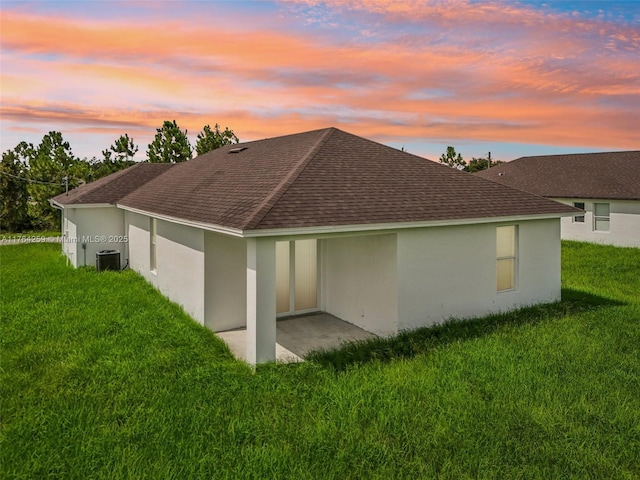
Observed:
{"x":513,"y":78}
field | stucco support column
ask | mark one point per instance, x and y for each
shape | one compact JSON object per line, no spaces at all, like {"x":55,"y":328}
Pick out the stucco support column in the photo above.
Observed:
{"x":261,"y":300}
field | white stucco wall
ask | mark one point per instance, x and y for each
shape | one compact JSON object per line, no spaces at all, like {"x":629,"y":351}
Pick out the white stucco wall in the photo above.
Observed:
{"x":69,"y":229}
{"x":138,"y":236}
{"x":624,"y":223}
{"x":451,"y":271}
{"x":99,"y":228}
{"x":359,"y":281}
{"x":180,"y":261}
{"x":225,"y":282}
{"x":381,"y":282}
{"x":261,"y":300}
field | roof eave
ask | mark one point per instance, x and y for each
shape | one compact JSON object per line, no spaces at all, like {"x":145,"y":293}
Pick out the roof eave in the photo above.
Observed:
{"x":589,"y":197}
{"x":189,"y":223}
{"x":338,"y":229}
{"x":62,"y":206}
{"x":55,"y":204}
{"x":331,"y":230}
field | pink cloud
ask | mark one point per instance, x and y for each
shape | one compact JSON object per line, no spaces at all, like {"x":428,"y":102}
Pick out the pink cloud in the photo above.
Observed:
{"x":429,"y":70}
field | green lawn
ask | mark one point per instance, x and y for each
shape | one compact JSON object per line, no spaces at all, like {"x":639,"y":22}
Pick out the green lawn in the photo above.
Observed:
{"x":30,"y":234}
{"x":103,"y":378}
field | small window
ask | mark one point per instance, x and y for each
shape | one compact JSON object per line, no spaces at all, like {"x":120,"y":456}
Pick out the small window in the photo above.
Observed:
{"x":152,"y":245}
{"x":578,"y":218}
{"x":506,"y":257}
{"x":601,"y":217}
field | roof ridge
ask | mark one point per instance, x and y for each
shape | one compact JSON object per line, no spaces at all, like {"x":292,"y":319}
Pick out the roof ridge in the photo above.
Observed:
{"x":169,"y":167}
{"x":114,"y":176}
{"x":577,"y":154}
{"x":261,"y":211}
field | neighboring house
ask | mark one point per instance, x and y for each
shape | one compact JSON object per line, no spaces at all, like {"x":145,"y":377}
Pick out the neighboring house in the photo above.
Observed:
{"x":321,"y":221}
{"x":605,"y":185}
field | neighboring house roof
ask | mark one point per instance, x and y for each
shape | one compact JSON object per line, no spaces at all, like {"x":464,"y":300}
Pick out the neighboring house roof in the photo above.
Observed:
{"x":325,"y":178}
{"x":112,"y":188}
{"x":611,"y":175}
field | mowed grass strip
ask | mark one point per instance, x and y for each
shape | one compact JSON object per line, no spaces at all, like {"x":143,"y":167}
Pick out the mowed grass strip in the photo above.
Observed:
{"x":104,"y":378}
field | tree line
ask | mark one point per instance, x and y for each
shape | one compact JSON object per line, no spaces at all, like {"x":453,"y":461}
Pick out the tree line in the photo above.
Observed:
{"x":30,"y":175}
{"x":455,"y":160}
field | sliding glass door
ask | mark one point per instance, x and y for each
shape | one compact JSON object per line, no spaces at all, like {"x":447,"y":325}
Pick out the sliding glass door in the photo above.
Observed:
{"x":296,"y":276}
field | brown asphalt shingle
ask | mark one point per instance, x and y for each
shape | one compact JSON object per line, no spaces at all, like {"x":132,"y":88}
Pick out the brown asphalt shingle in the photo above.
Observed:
{"x":354,"y":181}
{"x":610,"y":175}
{"x":325,"y":178}
{"x":112,"y":188}
{"x":229,"y":189}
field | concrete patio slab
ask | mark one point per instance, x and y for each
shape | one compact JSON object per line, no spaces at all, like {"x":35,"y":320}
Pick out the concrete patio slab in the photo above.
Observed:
{"x":300,"y":335}
{"x":297,"y":336}
{"x":236,"y":340}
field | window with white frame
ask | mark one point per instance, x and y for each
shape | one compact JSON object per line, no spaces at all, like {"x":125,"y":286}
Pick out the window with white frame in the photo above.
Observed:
{"x":506,"y":257}
{"x":152,"y":245}
{"x":578,"y":218}
{"x":601,"y":217}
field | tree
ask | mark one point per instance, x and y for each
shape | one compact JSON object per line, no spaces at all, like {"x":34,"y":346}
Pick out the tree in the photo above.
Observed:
{"x":211,"y":139}
{"x":170,"y":145}
{"x":477,"y":164}
{"x":124,"y":148}
{"x":115,"y":158}
{"x":14,"y":215}
{"x":453,"y":159}
{"x":482,"y":163}
{"x":51,"y":170}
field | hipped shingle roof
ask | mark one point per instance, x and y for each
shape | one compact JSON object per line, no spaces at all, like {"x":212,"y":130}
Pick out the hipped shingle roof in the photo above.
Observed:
{"x":325,"y":178}
{"x":610,"y":175}
{"x":112,"y":188}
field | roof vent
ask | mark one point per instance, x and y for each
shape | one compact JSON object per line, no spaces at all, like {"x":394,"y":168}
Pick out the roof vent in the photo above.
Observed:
{"x":237,"y":150}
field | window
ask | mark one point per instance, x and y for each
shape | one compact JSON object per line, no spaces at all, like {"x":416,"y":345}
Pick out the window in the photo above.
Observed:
{"x":578,"y":218}
{"x":152,"y":245}
{"x":601,"y":217}
{"x":506,"y":251}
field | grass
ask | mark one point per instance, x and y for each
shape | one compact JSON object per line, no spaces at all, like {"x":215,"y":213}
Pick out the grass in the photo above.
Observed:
{"x":410,"y":343}
{"x":30,"y":234}
{"x":103,"y":378}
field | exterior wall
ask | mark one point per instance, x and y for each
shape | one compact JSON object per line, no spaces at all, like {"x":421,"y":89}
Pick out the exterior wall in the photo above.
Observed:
{"x":138,"y":235}
{"x":359,"y":281}
{"x":180,"y":262}
{"x":450,"y":272}
{"x":69,"y":232}
{"x":99,"y":228}
{"x":380,"y":282}
{"x":225,"y":282}
{"x":261,"y":300}
{"x":624,"y":224}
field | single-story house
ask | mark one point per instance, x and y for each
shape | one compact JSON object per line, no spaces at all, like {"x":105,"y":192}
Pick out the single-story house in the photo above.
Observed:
{"x":320,"y":221}
{"x":605,"y":185}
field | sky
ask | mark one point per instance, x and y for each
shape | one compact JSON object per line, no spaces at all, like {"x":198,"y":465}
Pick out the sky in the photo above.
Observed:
{"x":506,"y":77}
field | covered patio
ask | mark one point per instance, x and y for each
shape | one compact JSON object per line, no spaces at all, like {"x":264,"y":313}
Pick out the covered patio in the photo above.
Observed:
{"x":287,"y":281}
{"x":297,"y":336}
